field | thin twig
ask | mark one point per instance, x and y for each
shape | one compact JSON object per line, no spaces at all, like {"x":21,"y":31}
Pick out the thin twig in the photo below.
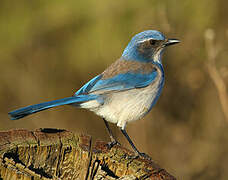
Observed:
{"x":212,"y":52}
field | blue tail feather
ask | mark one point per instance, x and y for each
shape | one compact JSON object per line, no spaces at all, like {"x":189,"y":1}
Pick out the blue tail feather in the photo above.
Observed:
{"x":22,"y":112}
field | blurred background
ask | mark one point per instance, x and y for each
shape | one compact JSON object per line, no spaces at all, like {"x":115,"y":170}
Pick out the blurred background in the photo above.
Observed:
{"x":49,"y":49}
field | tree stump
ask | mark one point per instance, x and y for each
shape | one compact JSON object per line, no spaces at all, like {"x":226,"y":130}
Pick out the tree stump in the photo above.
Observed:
{"x":60,"y":154}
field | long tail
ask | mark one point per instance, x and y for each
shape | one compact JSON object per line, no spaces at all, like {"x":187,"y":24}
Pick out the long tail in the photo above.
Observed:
{"x":22,"y":112}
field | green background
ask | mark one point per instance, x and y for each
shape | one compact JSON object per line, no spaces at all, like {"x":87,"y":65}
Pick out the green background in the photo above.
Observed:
{"x":49,"y":49}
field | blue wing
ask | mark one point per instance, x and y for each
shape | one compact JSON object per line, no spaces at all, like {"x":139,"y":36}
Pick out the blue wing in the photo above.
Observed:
{"x":88,"y":86}
{"x":119,"y":82}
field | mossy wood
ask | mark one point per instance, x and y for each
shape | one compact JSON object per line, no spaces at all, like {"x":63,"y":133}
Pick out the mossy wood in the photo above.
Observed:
{"x":60,"y":154}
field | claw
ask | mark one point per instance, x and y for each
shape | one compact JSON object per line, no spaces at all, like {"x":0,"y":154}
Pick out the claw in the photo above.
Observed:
{"x":113,"y":143}
{"x":139,"y":154}
{"x":144,"y":156}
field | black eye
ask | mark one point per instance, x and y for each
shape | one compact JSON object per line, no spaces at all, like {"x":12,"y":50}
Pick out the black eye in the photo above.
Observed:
{"x":152,"y":41}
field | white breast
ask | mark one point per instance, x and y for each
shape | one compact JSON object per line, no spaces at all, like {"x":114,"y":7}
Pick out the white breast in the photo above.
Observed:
{"x":126,"y":106}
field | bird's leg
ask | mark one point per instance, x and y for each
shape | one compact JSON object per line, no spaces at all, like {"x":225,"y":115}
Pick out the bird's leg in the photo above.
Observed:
{"x":113,"y":139}
{"x":133,"y":146}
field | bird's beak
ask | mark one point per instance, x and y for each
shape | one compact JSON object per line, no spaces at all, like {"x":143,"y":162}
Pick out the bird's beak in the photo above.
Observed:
{"x":171,"y":42}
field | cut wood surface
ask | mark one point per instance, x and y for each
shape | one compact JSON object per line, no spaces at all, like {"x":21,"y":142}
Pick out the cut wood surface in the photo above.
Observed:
{"x":60,"y":154}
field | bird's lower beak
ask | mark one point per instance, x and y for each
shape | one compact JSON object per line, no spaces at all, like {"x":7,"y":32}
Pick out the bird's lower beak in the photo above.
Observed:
{"x":171,"y":42}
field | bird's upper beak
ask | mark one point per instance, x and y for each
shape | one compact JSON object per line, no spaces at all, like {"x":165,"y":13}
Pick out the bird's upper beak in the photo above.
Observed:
{"x":171,"y":42}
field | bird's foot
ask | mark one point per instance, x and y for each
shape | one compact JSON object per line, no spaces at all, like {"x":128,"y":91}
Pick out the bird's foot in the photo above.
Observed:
{"x":144,"y":156}
{"x":112,"y":143}
{"x":138,"y":155}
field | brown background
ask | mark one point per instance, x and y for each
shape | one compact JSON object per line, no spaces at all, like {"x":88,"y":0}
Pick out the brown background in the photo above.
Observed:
{"x":49,"y":49}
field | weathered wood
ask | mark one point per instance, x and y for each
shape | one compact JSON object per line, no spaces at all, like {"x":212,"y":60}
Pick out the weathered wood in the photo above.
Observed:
{"x":60,"y":154}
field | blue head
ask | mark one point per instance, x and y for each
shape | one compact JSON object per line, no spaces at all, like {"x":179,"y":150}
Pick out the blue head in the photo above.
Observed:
{"x":147,"y":46}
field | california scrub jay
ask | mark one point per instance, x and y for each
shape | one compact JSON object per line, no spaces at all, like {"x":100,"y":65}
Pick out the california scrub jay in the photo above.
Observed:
{"x":126,"y":91}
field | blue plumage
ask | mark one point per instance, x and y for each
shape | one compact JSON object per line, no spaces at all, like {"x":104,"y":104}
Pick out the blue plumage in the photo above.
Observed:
{"x":124,"y":82}
{"x":22,"y":112}
{"x":131,"y":52}
{"x":88,"y":86}
{"x":126,"y":91}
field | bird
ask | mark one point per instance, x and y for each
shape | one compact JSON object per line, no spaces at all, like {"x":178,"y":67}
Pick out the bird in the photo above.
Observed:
{"x":125,"y":91}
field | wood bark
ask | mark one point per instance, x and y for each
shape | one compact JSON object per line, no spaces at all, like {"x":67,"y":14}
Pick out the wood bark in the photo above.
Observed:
{"x":60,"y":154}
